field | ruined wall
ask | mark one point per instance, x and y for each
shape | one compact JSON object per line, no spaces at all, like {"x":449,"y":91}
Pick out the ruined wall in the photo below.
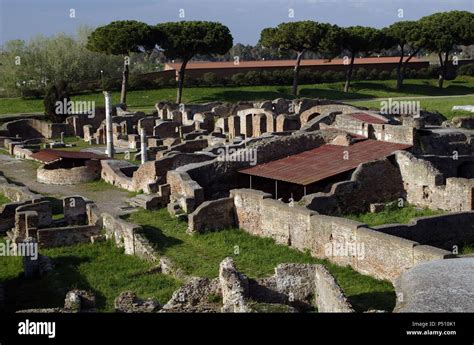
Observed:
{"x":113,"y":173}
{"x":89,"y":172}
{"x":66,"y":236}
{"x":425,"y":186}
{"x":214,"y":179}
{"x":34,"y":128}
{"x":340,"y":240}
{"x":154,"y":172}
{"x":212,"y":215}
{"x":128,"y":236}
{"x":368,"y":184}
{"x":328,"y":295}
{"x":443,"y":231}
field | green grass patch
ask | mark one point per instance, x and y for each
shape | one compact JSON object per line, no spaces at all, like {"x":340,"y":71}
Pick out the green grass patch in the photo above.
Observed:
{"x":393,"y":214}
{"x":442,"y":105}
{"x":469,"y":249}
{"x":200,"y":255}
{"x":145,"y":99}
{"x":4,"y":200}
{"x":101,"y":268}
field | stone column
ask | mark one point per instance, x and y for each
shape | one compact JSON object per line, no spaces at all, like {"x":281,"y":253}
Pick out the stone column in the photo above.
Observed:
{"x":62,"y":137}
{"x":143,"y":145}
{"x":108,"y":125}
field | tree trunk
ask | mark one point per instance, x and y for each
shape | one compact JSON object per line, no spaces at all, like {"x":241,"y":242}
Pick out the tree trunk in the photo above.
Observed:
{"x":444,"y":69}
{"x":349,"y":73}
{"x":181,"y":81}
{"x":296,"y":71}
{"x":404,"y":67}
{"x":123,"y":93}
{"x":399,"y":70}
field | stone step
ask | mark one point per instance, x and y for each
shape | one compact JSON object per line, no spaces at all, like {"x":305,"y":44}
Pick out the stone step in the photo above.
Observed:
{"x":148,"y":201}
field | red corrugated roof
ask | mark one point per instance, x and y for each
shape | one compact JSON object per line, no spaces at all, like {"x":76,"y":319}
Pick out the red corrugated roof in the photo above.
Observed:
{"x":49,"y":155}
{"x":283,"y":63}
{"x":325,"y":161}
{"x":364,"y":117}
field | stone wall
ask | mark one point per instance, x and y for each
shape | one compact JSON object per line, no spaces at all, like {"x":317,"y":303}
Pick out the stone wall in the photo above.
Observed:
{"x":66,"y":236}
{"x":113,"y":172}
{"x":425,"y":185}
{"x":128,"y":236}
{"x":444,"y":231}
{"x":340,"y":240}
{"x":17,"y":193}
{"x":328,"y":295}
{"x":34,"y":128}
{"x":89,"y":172}
{"x":368,"y":184}
{"x":194,"y":183}
{"x":212,"y":215}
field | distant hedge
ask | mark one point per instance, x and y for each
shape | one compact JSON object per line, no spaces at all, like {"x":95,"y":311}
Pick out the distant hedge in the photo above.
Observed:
{"x":250,"y":78}
{"x":466,"y":70}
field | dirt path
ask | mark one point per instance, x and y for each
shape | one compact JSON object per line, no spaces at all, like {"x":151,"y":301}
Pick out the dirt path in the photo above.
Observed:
{"x":111,"y":200}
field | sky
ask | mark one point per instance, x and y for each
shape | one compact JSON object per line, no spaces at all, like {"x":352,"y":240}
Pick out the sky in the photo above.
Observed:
{"x":24,"y":19}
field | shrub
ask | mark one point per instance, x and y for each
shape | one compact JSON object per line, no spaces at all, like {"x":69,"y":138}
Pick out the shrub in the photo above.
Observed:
{"x":329,"y":76}
{"x":361,"y":74}
{"x":111,"y":84}
{"x":253,"y":78}
{"x":29,"y":92}
{"x":374,"y":74}
{"x":239,"y":79}
{"x":57,"y":92}
{"x":139,"y":83}
{"x":209,"y":79}
{"x":466,"y":70}
{"x":384,"y":75}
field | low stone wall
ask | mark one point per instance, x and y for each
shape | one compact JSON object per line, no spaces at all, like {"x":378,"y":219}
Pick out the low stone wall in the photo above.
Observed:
{"x":342,"y":241}
{"x":66,"y":236}
{"x":17,"y":193}
{"x":212,"y":215}
{"x":112,"y":172}
{"x":128,"y":236}
{"x":425,"y":186}
{"x":328,"y":295}
{"x":90,"y":172}
{"x":154,"y":172}
{"x":34,"y":128}
{"x":444,"y":231}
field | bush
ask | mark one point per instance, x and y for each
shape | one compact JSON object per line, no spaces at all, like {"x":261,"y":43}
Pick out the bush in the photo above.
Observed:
{"x":28,"y":92}
{"x":361,"y":74}
{"x":239,"y":79}
{"x":110,"y":84}
{"x":383,"y":75}
{"x":466,"y":70}
{"x":374,"y":74}
{"x":329,"y":76}
{"x":209,"y":79}
{"x":57,"y":92}
{"x":139,"y":83}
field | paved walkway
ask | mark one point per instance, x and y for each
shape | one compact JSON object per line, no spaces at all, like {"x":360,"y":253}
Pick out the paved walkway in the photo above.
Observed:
{"x":111,"y":200}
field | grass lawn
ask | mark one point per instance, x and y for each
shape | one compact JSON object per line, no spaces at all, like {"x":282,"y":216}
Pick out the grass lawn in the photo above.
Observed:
{"x":4,"y":200}
{"x":442,"y":105}
{"x":101,"y":268}
{"x":393,"y":215}
{"x":467,"y":249}
{"x":200,"y":255}
{"x":145,"y":99}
